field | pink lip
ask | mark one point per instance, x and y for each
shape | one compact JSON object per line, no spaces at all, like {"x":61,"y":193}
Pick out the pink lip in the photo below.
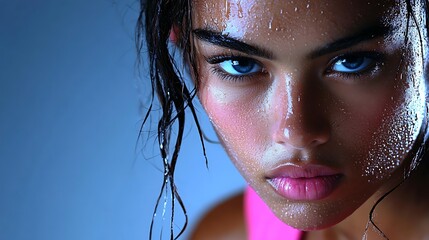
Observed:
{"x":311,"y":182}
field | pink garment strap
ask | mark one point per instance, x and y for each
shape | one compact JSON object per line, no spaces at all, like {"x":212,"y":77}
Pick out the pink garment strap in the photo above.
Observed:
{"x":262,"y":223}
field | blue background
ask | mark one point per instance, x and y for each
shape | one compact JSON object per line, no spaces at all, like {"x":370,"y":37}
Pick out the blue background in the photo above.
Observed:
{"x":70,"y":163}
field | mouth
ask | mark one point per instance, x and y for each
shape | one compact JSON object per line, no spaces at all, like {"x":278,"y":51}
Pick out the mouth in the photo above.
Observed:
{"x":306,"y":183}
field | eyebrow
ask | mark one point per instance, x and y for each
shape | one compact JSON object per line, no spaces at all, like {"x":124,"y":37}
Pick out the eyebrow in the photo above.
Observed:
{"x":223,"y":40}
{"x":343,"y":43}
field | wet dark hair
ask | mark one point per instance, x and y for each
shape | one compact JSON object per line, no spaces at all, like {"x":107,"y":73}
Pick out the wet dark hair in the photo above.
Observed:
{"x":168,"y":86}
{"x":156,"y":20}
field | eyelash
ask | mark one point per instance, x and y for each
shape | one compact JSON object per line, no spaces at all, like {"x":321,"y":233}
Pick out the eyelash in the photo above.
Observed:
{"x":377,"y":59}
{"x":218,"y":59}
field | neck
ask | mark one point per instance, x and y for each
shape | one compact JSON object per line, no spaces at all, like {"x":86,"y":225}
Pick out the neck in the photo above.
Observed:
{"x":402,"y":214}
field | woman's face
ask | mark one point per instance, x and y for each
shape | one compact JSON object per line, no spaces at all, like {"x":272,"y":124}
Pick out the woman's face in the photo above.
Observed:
{"x":316,"y":102}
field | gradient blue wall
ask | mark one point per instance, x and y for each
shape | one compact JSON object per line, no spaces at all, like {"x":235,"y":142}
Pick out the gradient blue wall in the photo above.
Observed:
{"x":69,"y":103}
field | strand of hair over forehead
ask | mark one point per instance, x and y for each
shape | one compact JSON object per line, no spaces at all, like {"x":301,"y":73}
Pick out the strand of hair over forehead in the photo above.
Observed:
{"x":420,"y":147}
{"x":174,"y":97}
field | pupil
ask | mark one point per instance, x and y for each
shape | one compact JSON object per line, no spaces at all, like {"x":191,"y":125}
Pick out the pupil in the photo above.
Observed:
{"x":242,"y":66}
{"x":353,"y":62}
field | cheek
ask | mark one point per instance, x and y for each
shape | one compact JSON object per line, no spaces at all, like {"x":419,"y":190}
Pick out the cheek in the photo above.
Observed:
{"x":238,"y":123}
{"x":386,"y":133}
{"x":393,"y":141}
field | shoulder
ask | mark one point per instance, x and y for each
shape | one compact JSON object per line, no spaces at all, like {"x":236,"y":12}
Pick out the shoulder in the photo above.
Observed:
{"x":224,"y":221}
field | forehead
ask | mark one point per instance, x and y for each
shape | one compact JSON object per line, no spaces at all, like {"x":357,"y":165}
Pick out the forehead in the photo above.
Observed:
{"x":292,"y":20}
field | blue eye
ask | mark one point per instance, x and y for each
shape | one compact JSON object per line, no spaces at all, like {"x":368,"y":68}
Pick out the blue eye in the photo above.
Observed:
{"x":352,"y":64}
{"x":240,"y":66}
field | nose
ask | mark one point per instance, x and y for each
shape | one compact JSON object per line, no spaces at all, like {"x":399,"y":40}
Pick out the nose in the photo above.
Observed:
{"x":300,"y":114}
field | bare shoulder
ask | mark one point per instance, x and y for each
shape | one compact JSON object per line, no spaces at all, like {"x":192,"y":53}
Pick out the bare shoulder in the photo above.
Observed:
{"x":225,"y":221}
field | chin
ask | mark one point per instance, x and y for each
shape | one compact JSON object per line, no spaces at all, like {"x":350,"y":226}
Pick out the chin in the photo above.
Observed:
{"x":313,"y":216}
{"x":310,"y":226}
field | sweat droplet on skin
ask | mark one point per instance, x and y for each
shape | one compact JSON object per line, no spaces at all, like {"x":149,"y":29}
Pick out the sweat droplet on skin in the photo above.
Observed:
{"x":393,"y":141}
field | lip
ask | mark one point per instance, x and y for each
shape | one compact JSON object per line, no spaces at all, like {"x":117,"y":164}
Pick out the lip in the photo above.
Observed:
{"x":304,"y":183}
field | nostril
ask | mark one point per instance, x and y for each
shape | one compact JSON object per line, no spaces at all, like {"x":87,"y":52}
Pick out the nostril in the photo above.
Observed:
{"x":320,"y":138}
{"x":302,"y":138}
{"x":315,"y":142}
